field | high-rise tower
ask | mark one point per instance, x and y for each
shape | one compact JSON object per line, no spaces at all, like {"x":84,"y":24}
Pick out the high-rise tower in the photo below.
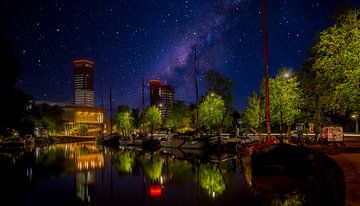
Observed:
{"x":161,"y":96}
{"x":84,"y":82}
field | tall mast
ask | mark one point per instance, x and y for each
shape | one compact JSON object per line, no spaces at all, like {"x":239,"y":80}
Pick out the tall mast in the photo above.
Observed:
{"x":197,"y":93}
{"x":266,"y":67}
{"x":110,"y":104}
{"x":142,"y":96}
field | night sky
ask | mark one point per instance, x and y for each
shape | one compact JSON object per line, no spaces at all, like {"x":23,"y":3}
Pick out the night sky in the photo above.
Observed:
{"x":131,"y":39}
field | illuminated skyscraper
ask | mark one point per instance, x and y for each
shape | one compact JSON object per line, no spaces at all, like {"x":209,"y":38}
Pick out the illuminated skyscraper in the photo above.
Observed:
{"x":84,"y":82}
{"x":161,"y":96}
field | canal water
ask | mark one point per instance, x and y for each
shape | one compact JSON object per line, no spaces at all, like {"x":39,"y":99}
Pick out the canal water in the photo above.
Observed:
{"x":87,"y":174}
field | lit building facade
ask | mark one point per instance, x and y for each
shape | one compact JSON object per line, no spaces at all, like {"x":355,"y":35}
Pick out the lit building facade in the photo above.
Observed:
{"x":84,"y":82}
{"x":93,"y":118}
{"x":161,"y":96}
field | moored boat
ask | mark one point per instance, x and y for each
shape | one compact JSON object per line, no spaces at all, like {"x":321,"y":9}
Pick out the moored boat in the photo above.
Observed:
{"x":111,"y":140}
{"x":12,"y":143}
{"x":151,"y":144}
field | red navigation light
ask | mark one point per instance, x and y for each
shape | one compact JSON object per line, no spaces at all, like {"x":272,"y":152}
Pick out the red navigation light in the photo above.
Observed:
{"x":155,"y":190}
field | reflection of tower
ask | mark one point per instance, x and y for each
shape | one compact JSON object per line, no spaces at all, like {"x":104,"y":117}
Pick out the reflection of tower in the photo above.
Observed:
{"x":86,"y":162}
{"x":84,"y":82}
{"x":161,"y":96}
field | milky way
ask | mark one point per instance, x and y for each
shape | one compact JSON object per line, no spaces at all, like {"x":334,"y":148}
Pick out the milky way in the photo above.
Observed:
{"x":206,"y":36}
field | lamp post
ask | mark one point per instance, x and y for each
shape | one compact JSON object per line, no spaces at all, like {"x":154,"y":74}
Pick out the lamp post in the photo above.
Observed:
{"x":355,"y":116}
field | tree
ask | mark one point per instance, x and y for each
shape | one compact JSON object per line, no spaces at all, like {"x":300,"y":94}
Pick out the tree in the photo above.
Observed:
{"x":335,"y":65}
{"x":152,"y":118}
{"x":82,"y":129}
{"x":14,"y":102}
{"x":49,"y":118}
{"x":253,"y":114}
{"x":123,"y":108}
{"x":221,"y":85}
{"x":286,"y":98}
{"x":124,"y":122}
{"x":179,"y":117}
{"x":211,"y":111}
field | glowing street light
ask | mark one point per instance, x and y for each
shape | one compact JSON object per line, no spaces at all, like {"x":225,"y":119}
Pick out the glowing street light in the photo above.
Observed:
{"x":287,"y":74}
{"x":355,"y":116}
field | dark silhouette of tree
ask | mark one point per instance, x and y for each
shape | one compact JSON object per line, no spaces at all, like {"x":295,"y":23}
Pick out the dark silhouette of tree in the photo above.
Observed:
{"x":13,"y":102}
{"x":47,"y":117}
{"x":221,"y":85}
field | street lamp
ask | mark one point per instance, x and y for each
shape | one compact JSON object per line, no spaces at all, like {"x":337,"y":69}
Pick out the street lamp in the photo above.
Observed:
{"x":287,"y":74}
{"x":355,"y":116}
{"x":212,"y":94}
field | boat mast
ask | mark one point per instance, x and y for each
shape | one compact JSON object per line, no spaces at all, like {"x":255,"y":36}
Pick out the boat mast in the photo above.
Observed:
{"x":110,"y":105}
{"x":142,"y":96}
{"x":266,"y":67}
{"x":197,"y":94}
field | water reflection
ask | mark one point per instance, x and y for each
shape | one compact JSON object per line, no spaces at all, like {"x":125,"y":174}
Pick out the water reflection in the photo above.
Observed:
{"x":211,"y":180}
{"x":83,"y":174}
{"x":153,"y":166}
{"x":124,"y":161}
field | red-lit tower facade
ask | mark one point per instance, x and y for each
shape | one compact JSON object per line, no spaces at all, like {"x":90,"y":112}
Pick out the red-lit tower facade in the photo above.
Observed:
{"x":161,"y":96}
{"x":84,"y":82}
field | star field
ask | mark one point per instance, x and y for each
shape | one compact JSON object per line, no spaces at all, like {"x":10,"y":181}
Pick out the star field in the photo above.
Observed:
{"x":132,"y":39}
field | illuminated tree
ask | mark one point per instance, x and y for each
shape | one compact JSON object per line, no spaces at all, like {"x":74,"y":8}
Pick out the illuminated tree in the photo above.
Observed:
{"x":179,"y":116}
{"x":286,"y":98}
{"x":152,"y":118}
{"x":82,"y":129}
{"x":253,"y":113}
{"x":124,"y":122}
{"x":211,"y":111}
{"x":335,"y":65}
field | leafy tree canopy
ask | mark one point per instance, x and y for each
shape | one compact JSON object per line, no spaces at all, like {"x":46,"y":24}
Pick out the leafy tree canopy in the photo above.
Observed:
{"x":124,"y":122}
{"x":179,"y":116}
{"x":253,"y":113}
{"x":335,"y":63}
{"x":48,"y":117}
{"x":82,"y":129}
{"x":211,"y":111}
{"x":152,"y":118}
{"x":286,"y":97}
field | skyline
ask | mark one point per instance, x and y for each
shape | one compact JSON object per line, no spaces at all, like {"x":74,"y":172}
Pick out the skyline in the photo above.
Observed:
{"x":129,"y":40}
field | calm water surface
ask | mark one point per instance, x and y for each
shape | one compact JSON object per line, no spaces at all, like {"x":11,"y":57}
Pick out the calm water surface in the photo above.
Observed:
{"x":86,"y":174}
